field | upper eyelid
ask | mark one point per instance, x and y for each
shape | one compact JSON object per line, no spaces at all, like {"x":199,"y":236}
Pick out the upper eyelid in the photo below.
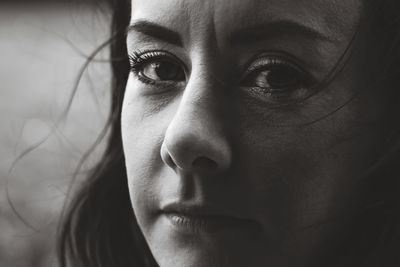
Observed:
{"x":279,"y":55}
{"x":161,"y":53}
{"x":274,"y":61}
{"x":137,"y":55}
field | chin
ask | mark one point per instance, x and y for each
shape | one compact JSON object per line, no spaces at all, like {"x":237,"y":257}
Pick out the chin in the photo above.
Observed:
{"x":199,"y":258}
{"x":206,"y":251}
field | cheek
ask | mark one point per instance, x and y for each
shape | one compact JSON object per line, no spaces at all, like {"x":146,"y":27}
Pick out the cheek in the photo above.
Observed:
{"x":143,"y":132}
{"x":313,"y":172}
{"x":307,"y":178}
{"x":141,"y":135}
{"x":141,"y":144}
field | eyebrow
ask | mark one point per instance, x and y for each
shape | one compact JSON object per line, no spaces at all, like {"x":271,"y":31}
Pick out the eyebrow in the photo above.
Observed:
{"x":156,"y":31}
{"x":243,"y":36}
{"x":276,"y":28}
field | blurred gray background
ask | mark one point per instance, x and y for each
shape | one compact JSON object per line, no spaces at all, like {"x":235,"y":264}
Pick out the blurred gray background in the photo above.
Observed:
{"x":42,"y":48}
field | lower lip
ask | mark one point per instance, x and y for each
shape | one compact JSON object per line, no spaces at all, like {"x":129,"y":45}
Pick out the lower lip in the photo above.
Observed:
{"x":205,"y":224}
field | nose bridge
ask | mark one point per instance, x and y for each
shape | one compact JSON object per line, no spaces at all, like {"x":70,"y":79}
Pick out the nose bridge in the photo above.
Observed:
{"x":196,"y":137}
{"x":200,"y":98}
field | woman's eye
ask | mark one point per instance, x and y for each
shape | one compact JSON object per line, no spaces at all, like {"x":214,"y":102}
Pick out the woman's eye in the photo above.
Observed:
{"x":162,"y":70}
{"x":157,"y":66}
{"x":274,"y":77}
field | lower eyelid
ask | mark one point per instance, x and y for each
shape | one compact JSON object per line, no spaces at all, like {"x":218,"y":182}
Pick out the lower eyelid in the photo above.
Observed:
{"x":162,"y":85}
{"x":144,"y":79}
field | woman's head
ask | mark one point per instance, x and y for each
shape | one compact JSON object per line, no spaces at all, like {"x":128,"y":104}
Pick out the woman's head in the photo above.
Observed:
{"x":248,"y":129}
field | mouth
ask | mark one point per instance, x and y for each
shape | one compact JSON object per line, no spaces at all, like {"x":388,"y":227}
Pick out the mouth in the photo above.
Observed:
{"x":195,"y":219}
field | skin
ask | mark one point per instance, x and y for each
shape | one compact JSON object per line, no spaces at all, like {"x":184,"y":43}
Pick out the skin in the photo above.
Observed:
{"x":211,"y":139}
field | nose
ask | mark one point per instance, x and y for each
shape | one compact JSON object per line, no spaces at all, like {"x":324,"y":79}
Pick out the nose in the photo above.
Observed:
{"x":196,"y":139}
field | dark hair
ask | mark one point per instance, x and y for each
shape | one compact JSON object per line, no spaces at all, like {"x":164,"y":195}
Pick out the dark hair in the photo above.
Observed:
{"x":99,"y":228}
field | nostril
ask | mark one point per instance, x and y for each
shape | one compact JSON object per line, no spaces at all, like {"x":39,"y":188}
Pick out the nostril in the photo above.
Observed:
{"x":204,"y":163}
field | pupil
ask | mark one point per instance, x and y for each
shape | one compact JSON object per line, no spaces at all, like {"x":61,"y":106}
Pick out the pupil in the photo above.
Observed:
{"x":282,"y":77}
{"x":166,"y":71}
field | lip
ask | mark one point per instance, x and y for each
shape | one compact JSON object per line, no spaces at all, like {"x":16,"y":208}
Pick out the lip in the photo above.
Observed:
{"x":194,"y":219}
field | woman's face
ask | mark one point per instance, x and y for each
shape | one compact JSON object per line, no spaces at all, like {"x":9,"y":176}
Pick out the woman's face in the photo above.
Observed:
{"x":234,"y":156}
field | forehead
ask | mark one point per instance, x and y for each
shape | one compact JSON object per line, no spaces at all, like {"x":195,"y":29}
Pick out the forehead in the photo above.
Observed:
{"x":194,"y":18}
